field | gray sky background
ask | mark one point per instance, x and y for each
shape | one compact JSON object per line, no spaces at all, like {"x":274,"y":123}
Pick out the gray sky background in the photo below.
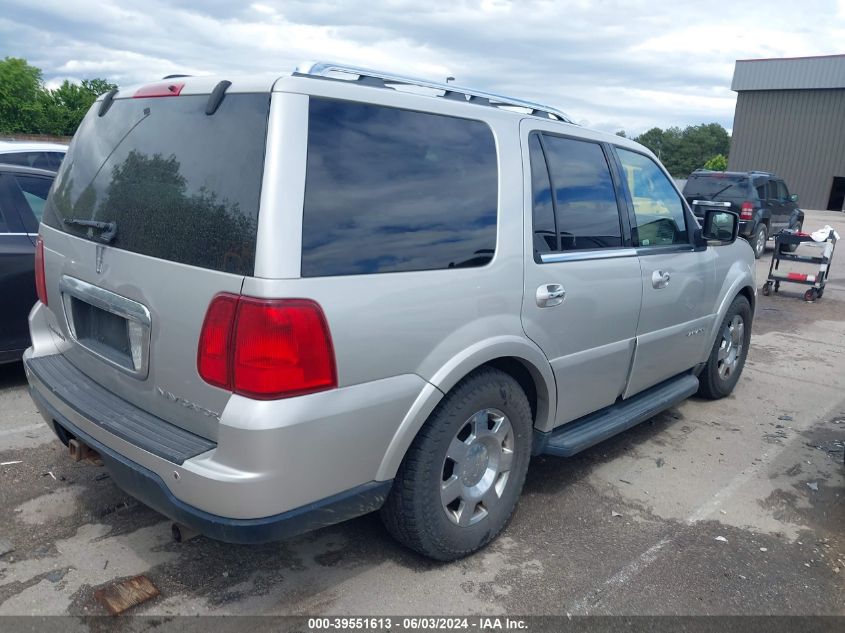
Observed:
{"x":610,"y":64}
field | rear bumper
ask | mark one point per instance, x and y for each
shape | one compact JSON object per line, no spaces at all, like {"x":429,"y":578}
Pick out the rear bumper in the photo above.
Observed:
{"x":150,"y":489}
{"x":274,"y":469}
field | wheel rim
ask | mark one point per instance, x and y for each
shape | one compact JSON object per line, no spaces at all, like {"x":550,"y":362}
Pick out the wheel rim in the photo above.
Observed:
{"x":477,"y":467}
{"x":761,"y":241}
{"x":730,"y":347}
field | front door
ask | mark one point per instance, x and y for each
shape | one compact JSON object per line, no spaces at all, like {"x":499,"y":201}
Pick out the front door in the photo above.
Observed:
{"x":678,"y":281}
{"x":582,"y":286}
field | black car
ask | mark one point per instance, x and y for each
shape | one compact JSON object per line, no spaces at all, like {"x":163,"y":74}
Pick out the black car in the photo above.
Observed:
{"x":23,"y":191}
{"x":761,"y":199}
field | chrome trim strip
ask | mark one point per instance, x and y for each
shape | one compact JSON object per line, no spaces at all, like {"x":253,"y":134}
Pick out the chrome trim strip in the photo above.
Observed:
{"x":132,"y":311}
{"x":578,"y":256}
{"x":711,"y":203}
{"x":105,"y":299}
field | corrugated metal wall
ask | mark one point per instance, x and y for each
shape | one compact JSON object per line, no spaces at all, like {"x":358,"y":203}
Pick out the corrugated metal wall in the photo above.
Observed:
{"x":797,"y":134}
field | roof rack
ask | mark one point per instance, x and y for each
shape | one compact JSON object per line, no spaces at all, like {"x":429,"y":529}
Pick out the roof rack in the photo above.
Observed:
{"x":381,"y":79}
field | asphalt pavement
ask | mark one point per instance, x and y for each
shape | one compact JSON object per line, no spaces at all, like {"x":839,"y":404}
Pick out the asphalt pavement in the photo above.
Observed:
{"x":728,"y":507}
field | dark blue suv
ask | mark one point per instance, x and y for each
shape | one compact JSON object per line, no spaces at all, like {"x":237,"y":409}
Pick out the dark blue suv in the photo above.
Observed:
{"x":761,"y":199}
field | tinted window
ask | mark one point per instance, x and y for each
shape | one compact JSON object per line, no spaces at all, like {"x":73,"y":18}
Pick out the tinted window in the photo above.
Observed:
{"x":772,"y":190}
{"x":545,"y":233}
{"x":180,"y":185}
{"x":4,"y":228}
{"x":658,"y":208}
{"x":783,"y":194}
{"x":17,"y":158}
{"x":716,"y":186}
{"x":34,"y":190}
{"x":392,"y":190}
{"x":584,"y":197}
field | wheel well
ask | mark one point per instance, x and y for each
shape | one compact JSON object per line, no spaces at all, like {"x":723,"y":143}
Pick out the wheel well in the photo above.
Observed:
{"x":517,"y":370}
{"x":748,"y":293}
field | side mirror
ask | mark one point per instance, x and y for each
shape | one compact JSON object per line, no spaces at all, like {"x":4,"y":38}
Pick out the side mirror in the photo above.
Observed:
{"x":720,"y":227}
{"x":794,"y":197}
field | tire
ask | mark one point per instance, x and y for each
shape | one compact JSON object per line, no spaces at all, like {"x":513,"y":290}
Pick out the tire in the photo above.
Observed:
{"x":791,"y":248}
{"x":724,"y":366}
{"x":758,"y":242}
{"x":766,"y":289}
{"x":418,"y":512}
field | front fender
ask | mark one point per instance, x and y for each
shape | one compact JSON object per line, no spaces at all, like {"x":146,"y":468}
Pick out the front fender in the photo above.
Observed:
{"x":735,"y":267}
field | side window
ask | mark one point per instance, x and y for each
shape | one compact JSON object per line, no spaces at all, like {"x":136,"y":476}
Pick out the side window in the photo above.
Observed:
{"x":586,"y":212}
{"x":17,"y":158}
{"x":390,"y":190}
{"x":772,"y":190}
{"x":545,"y":233}
{"x":760,"y":188}
{"x":658,"y":209}
{"x":34,"y":190}
{"x":783,"y":193}
{"x":55,"y":160}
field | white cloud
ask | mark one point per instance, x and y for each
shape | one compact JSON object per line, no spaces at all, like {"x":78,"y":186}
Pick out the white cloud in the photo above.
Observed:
{"x":614,"y":64}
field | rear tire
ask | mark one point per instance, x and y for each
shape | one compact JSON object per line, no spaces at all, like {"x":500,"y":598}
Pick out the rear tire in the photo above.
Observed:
{"x":480,"y":428}
{"x":758,"y":242}
{"x":727,"y":357}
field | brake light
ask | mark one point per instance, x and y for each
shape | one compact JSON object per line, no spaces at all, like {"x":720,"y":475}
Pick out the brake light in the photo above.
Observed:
{"x":747,"y":211}
{"x":266,"y":348}
{"x":168,"y":89}
{"x":40,"y":277}
{"x":213,"y":355}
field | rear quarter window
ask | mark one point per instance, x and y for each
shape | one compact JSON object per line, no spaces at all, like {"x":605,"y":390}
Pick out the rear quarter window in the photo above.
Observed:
{"x":390,"y":190}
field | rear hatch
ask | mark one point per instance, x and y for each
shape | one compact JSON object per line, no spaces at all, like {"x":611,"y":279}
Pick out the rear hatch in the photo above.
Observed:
{"x":154,"y":211}
{"x":716,"y":189}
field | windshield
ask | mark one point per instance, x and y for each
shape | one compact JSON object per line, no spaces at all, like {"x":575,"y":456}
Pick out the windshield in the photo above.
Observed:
{"x":709,"y":186}
{"x":173,"y":182}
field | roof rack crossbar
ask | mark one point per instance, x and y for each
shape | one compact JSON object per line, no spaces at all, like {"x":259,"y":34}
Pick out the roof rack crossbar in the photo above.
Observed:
{"x":451,"y":91}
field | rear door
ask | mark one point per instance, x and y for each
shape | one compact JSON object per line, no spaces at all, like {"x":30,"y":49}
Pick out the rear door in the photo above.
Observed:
{"x":154,"y":212}
{"x":678,"y":281}
{"x":786,"y":205}
{"x":17,"y":275}
{"x":582,"y":284}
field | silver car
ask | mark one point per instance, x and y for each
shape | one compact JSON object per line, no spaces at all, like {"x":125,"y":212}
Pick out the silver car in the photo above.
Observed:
{"x":270,"y":305}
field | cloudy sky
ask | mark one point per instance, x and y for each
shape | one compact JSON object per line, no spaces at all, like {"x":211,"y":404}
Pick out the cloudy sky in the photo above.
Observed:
{"x":610,"y":64}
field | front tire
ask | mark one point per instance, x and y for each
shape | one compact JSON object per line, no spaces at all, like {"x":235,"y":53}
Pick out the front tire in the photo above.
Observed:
{"x":727,"y":357}
{"x":758,"y":242}
{"x":459,"y":482}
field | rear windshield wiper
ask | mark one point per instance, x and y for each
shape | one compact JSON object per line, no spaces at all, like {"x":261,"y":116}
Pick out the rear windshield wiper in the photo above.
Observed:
{"x":109,"y":228}
{"x":721,"y":190}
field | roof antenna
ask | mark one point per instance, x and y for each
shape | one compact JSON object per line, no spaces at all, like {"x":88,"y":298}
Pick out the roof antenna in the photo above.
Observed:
{"x":449,"y":79}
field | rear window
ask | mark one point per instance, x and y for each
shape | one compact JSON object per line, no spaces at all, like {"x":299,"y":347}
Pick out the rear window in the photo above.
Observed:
{"x":716,"y":185}
{"x":179,"y":184}
{"x":391,"y":190}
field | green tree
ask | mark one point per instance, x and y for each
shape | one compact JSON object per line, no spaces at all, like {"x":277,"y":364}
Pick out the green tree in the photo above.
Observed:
{"x":27,"y":107}
{"x":622,"y":134}
{"x":683,"y":151}
{"x":20,"y":93}
{"x":717,"y":163}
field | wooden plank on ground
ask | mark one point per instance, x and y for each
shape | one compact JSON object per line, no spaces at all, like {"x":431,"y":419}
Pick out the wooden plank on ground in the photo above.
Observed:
{"x":126,"y":594}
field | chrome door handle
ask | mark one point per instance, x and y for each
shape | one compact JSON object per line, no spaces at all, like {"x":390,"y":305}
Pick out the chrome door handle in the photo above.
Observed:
{"x":550,"y":295}
{"x":660,"y":279}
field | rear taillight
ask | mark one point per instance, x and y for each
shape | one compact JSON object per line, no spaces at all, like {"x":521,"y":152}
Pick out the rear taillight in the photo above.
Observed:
{"x":747,"y":211}
{"x":40,"y":278}
{"x":168,"y":89}
{"x":214,"y":353}
{"x":266,"y":348}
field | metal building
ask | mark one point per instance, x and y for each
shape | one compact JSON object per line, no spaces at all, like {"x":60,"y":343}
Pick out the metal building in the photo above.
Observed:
{"x":790,"y":120}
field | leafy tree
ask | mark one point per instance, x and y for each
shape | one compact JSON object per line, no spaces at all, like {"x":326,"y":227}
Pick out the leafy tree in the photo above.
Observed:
{"x":717,"y":163}
{"x":683,"y":151}
{"x":622,"y":134}
{"x":20,"y":90}
{"x":27,"y":107}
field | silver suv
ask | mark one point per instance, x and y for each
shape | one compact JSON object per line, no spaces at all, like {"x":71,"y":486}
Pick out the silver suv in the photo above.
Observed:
{"x":272,"y":305}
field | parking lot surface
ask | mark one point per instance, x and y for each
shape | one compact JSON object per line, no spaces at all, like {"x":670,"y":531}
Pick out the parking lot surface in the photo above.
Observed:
{"x":728,"y":507}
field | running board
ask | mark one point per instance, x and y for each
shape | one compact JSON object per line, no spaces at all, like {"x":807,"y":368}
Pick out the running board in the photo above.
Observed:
{"x":576,"y":436}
